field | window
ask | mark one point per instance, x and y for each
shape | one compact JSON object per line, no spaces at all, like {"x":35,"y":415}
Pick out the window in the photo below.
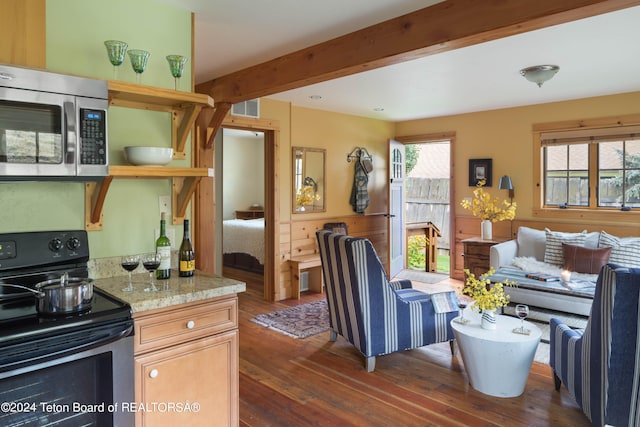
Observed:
{"x":619,"y":173}
{"x":566,"y":178}
{"x":589,"y":168}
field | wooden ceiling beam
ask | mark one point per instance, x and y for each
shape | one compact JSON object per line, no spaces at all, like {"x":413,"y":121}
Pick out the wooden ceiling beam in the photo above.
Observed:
{"x":449,"y":25}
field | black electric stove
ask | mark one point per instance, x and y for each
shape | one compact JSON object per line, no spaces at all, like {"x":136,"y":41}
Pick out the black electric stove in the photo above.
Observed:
{"x":27,"y":336}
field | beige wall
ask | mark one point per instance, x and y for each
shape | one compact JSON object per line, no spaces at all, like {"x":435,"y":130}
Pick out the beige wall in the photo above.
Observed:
{"x":243,"y":173}
{"x":506,"y":137}
{"x":339,"y":134}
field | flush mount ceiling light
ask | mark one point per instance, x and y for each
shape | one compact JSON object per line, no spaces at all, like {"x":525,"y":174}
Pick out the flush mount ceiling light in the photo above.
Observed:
{"x":539,"y":74}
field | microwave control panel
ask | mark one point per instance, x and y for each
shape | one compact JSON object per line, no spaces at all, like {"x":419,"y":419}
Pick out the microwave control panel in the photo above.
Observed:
{"x":93,"y":146}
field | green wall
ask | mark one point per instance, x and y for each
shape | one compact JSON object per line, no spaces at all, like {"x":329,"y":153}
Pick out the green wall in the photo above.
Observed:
{"x":76,"y":30}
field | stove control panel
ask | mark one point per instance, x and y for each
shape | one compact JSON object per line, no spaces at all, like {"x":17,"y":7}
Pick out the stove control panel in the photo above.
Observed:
{"x":40,"y":248}
{"x":7,"y":249}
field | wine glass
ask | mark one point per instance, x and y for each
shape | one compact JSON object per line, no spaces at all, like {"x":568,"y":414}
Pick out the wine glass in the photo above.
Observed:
{"x":522,"y":311}
{"x":151,"y":262}
{"x":130,"y":263}
{"x":138,"y":61}
{"x":116,"y":50}
{"x":176,"y":65}
{"x":462,"y":304}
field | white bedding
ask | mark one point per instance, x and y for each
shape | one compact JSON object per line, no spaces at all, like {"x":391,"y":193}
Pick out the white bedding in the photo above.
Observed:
{"x":244,"y":235}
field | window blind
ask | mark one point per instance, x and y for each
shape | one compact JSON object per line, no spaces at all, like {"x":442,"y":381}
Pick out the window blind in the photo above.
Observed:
{"x":582,"y":136}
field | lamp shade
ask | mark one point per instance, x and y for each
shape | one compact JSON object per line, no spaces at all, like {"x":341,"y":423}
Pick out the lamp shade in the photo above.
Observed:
{"x":505,"y":183}
{"x":539,"y":74}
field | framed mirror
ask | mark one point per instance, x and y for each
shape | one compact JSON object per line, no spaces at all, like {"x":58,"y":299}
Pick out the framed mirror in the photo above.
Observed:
{"x":308,"y":180}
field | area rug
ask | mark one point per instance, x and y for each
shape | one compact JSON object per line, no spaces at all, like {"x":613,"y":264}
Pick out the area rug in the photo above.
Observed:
{"x":309,"y":319}
{"x":541,"y":317}
{"x":301,"y":321}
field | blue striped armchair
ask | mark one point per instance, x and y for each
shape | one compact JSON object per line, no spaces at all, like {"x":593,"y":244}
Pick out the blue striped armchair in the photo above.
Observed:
{"x":376,"y":315}
{"x":600,"y":366}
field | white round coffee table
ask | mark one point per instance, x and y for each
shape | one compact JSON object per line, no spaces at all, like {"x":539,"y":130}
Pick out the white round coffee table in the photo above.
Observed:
{"x":497,"y":361}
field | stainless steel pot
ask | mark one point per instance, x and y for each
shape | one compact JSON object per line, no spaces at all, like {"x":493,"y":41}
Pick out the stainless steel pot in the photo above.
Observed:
{"x":62,"y":296}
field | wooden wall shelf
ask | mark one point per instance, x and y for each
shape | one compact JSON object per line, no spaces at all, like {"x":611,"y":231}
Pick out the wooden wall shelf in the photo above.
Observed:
{"x":184,"y":108}
{"x":184,"y":183}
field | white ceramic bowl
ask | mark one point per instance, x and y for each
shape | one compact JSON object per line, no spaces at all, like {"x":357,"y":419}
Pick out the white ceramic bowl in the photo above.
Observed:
{"x":148,"y":156}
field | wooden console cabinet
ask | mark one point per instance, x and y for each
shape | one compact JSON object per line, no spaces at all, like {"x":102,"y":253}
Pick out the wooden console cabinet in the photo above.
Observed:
{"x":476,"y":254}
{"x":187,"y":354}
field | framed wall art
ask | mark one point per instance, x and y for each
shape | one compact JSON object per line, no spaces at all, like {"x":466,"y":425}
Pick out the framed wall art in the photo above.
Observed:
{"x":479,"y":169}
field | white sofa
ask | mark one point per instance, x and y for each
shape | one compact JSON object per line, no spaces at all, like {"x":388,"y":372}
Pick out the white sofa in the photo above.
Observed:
{"x":526,"y":254}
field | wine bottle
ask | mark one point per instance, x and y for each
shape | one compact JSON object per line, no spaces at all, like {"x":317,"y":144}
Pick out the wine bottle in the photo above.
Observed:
{"x":186,"y":256}
{"x":163,"y":248}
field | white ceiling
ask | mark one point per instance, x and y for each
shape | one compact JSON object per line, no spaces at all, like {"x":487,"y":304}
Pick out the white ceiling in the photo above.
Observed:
{"x":597,"y":56}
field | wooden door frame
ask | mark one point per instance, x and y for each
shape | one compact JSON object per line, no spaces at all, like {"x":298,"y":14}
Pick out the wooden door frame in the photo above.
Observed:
{"x":205,"y":200}
{"x":435,"y":137}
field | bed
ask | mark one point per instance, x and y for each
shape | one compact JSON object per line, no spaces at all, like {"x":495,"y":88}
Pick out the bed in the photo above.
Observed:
{"x":243,"y":244}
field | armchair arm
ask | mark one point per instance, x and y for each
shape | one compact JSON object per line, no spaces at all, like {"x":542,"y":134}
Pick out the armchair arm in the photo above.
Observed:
{"x":400,"y":284}
{"x":502,"y":254}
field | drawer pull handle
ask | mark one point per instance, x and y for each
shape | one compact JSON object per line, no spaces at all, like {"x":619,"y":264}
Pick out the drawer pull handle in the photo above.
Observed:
{"x":153,"y":373}
{"x":191,"y":324}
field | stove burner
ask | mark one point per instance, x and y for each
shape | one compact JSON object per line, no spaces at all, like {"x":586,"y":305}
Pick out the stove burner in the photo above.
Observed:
{"x":27,"y":259}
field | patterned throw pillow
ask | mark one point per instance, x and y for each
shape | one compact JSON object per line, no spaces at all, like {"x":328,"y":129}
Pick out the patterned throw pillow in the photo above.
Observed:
{"x":553,"y":248}
{"x":584,"y":260}
{"x":624,"y":251}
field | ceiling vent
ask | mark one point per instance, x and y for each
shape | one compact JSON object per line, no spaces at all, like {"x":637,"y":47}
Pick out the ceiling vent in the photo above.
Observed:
{"x":250,"y":108}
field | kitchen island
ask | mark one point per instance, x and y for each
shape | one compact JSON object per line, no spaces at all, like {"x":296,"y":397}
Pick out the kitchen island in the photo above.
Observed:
{"x":185,"y":348}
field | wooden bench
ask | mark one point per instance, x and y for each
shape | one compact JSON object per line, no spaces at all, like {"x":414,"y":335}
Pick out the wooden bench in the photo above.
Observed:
{"x":310,"y":263}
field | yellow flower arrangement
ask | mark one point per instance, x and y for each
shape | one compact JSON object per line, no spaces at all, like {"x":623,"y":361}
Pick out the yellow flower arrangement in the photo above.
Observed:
{"x":487,"y":296}
{"x":484,"y":207}
{"x":306,"y":196}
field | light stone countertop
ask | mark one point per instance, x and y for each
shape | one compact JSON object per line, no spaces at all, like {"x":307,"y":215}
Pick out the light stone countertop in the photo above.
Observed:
{"x":177,"y":290}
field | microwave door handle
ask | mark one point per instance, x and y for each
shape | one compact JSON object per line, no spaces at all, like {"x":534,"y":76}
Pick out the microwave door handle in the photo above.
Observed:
{"x":70,"y":120}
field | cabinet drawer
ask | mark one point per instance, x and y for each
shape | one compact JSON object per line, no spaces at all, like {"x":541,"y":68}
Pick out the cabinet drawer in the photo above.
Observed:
{"x":477,"y":250}
{"x":184,"y":323}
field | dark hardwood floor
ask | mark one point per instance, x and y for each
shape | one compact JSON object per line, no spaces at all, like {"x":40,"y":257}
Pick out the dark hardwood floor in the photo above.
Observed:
{"x":315,"y":382}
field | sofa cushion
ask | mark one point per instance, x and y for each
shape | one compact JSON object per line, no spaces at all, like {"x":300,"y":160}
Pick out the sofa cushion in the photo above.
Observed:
{"x":624,"y":251}
{"x":531,"y":243}
{"x":584,"y":260}
{"x":553,"y":248}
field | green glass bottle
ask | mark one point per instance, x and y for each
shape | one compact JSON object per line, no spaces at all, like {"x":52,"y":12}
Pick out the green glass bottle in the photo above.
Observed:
{"x":163,"y":248}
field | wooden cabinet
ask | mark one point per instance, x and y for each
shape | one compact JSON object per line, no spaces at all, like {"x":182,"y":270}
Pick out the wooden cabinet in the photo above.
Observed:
{"x":476,"y":254}
{"x":186,"y":357}
{"x":184,"y":108}
{"x":250,"y":214}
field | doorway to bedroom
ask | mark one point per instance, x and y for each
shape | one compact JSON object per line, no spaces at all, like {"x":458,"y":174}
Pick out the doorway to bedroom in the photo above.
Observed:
{"x":243,"y":203}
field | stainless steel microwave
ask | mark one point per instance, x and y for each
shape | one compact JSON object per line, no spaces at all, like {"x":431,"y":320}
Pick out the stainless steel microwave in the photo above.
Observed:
{"x":52,"y":126}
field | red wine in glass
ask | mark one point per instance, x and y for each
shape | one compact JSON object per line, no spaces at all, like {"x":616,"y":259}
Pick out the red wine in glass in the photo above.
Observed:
{"x":462,"y":304}
{"x":130,"y":263}
{"x":151,"y":262}
{"x":522,"y":311}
